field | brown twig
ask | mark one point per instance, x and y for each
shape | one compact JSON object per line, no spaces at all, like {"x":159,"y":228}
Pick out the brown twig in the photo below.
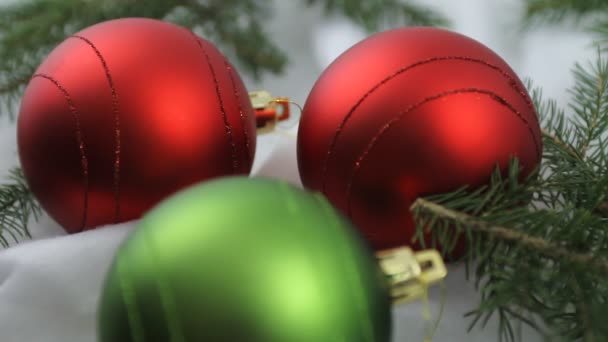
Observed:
{"x":602,"y":209}
{"x":561,"y":143}
{"x":541,"y":245}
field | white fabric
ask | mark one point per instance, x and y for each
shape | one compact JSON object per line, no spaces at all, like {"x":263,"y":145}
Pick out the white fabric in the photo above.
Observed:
{"x":49,"y":287}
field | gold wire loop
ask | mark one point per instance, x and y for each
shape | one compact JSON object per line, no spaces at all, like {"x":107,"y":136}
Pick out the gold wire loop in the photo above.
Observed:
{"x":286,"y":100}
{"x":271,"y":110}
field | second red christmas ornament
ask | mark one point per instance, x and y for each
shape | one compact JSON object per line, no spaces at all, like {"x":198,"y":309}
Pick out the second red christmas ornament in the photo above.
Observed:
{"x":125,"y":113}
{"x":411,"y":112}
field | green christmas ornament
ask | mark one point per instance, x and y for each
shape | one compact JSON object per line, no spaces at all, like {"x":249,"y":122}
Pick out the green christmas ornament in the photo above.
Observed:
{"x":245,"y":260}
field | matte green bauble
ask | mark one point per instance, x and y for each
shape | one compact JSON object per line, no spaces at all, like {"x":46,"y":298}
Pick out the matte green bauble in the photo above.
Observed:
{"x":244,"y":260}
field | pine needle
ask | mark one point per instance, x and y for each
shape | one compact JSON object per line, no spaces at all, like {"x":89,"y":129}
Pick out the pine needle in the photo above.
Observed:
{"x":17,"y":205}
{"x":539,"y":247}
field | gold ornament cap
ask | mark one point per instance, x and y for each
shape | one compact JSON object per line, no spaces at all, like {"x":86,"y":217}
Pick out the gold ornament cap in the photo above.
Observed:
{"x":410,"y":273}
{"x":270,"y":109}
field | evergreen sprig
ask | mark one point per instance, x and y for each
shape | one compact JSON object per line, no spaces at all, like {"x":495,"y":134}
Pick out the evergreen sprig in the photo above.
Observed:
{"x":557,"y":10}
{"x":592,"y":14}
{"x":17,"y":206}
{"x":30,"y":29}
{"x":374,"y":15}
{"x":538,"y":247}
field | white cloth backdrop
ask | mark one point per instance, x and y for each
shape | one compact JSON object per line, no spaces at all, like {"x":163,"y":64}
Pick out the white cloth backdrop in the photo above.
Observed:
{"x":49,"y":287}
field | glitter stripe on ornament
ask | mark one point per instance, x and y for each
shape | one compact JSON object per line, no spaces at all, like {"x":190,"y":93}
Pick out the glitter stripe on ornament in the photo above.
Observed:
{"x":80,"y":141}
{"x":237,"y":96}
{"x":235,"y":162}
{"x":509,"y":78}
{"x":117,"y":147}
{"x":401,"y":115}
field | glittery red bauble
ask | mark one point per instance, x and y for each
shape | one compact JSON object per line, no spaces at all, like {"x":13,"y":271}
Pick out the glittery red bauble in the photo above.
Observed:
{"x":125,"y":113}
{"x":411,"y":112}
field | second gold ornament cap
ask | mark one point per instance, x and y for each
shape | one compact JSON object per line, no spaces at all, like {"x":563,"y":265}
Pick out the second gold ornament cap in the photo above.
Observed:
{"x":411,"y":273}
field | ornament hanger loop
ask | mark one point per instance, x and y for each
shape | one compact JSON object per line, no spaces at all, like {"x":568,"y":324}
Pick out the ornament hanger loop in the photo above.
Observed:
{"x":287,"y":101}
{"x":270,"y":110}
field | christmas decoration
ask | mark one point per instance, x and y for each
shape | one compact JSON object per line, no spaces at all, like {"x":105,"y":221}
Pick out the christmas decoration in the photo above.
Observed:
{"x":410,"y":273}
{"x":543,"y":267}
{"x":126,"y":112}
{"x":240,"y":259}
{"x":411,"y":112}
{"x":269,"y":110}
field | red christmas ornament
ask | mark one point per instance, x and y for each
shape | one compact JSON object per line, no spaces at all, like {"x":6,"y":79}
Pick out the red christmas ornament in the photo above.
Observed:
{"x":411,"y":112}
{"x":126,"y":112}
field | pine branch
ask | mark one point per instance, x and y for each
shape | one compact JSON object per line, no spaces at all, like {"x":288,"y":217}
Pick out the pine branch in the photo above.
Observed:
{"x":599,"y":28}
{"x":17,"y":205}
{"x":522,"y":255}
{"x":374,"y":15}
{"x":557,"y":10}
{"x":591,"y":14}
{"x":560,"y":142}
{"x":537,"y":244}
{"x":592,"y":85}
{"x":603,"y":208}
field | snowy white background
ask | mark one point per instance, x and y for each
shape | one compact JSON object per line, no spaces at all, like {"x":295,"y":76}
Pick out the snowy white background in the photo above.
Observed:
{"x":49,"y":287}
